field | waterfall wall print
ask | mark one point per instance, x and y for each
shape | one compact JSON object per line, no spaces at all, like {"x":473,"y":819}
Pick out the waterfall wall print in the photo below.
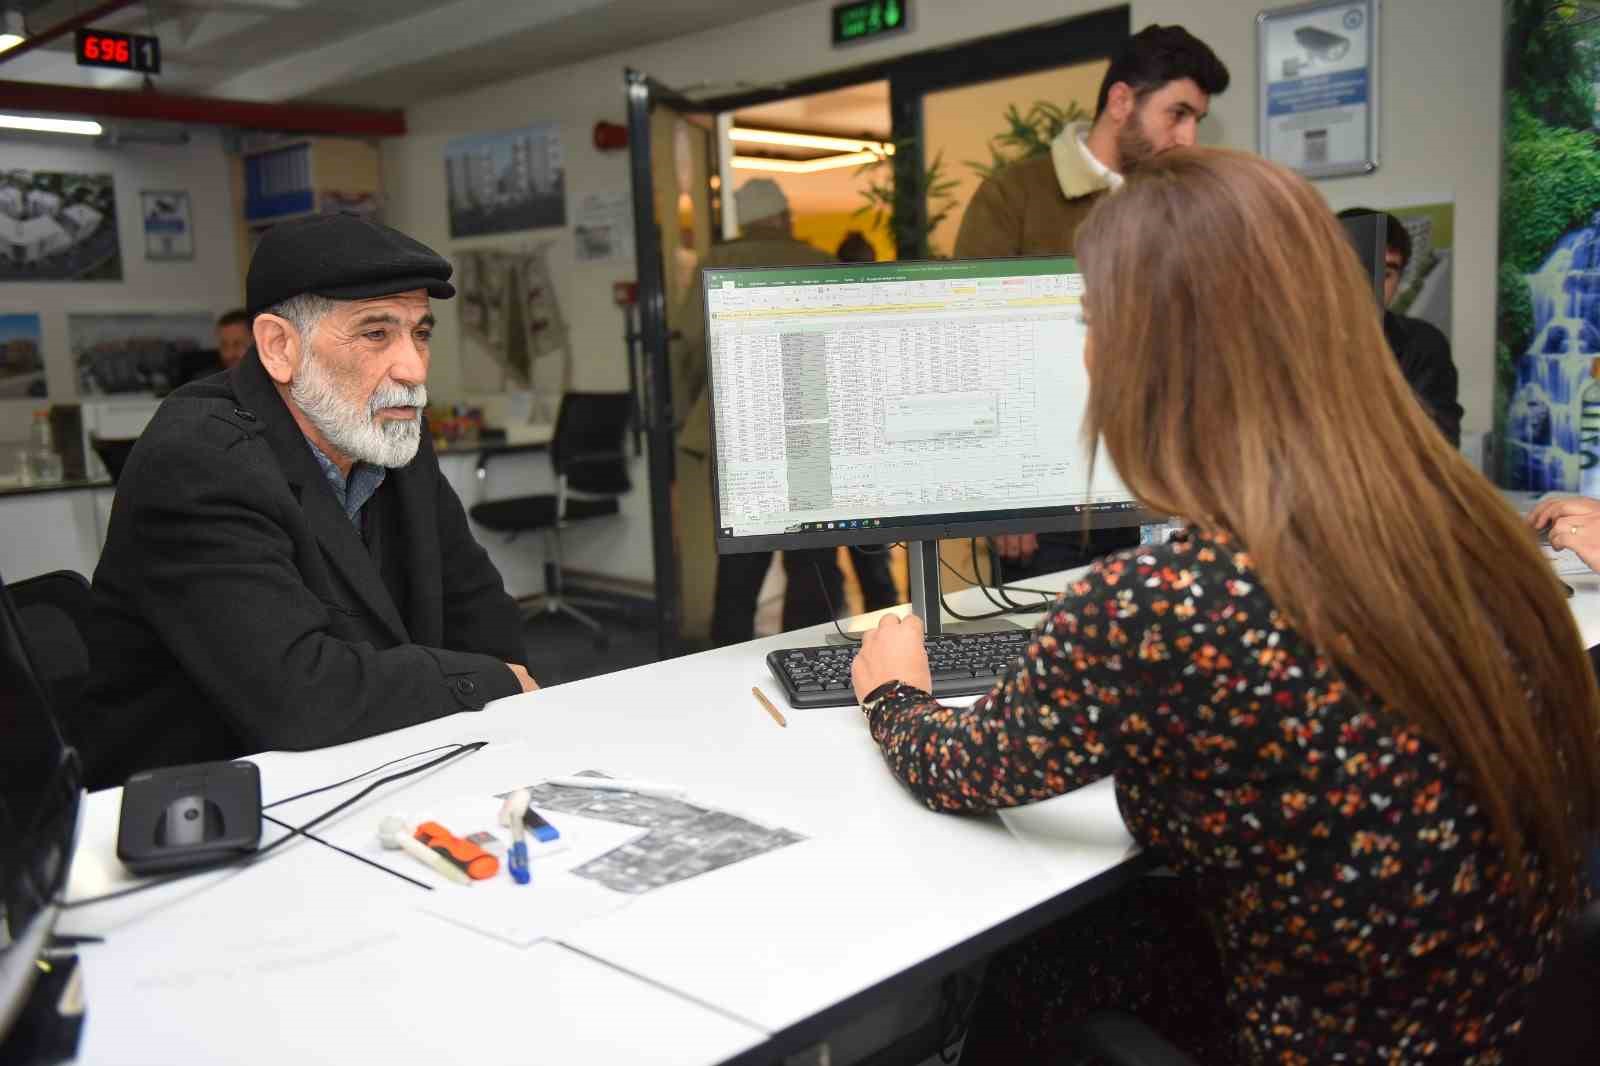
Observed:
{"x":1548,"y":325}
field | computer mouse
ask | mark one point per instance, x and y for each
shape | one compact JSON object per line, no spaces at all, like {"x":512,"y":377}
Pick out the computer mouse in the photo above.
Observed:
{"x":187,"y":821}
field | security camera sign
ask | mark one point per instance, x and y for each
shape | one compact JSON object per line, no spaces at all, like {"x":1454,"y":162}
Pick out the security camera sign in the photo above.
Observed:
{"x":1318,"y":88}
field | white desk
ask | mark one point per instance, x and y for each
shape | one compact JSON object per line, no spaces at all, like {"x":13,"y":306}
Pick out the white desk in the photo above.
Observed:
{"x":757,"y":959}
{"x":313,"y":958}
{"x":1585,"y":604}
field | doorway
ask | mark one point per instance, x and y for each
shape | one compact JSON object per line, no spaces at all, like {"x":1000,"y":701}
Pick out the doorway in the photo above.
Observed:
{"x":915,"y":173}
{"x":827,"y":185}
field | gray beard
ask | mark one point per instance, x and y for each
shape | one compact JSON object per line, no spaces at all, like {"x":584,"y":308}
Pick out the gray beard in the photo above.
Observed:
{"x":351,"y":428}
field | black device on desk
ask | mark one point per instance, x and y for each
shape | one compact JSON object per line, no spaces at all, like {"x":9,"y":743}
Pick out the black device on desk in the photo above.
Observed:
{"x":869,"y":403}
{"x":196,"y":815}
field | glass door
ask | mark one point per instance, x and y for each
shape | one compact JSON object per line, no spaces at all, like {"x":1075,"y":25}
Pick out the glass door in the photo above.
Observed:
{"x":670,"y":147}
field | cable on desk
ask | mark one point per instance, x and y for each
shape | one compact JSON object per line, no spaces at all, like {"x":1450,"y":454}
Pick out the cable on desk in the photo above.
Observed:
{"x":357,"y":777}
{"x":1003,"y":589}
{"x":995,"y":595}
{"x":953,"y":613}
{"x":294,"y":831}
{"x":997,"y":575}
{"x":352,"y":854}
{"x":1009,"y":606}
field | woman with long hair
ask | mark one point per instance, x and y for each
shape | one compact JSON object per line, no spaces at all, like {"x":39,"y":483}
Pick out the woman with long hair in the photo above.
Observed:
{"x":1349,"y":704}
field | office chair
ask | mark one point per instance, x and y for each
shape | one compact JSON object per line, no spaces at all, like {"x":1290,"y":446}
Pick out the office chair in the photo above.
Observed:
{"x":1561,"y":1027}
{"x":113,"y":453}
{"x":54,"y":612}
{"x":40,"y":790}
{"x":591,"y":470}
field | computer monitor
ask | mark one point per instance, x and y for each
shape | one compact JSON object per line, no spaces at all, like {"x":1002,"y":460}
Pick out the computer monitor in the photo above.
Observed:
{"x":1369,"y":234}
{"x":912,"y":401}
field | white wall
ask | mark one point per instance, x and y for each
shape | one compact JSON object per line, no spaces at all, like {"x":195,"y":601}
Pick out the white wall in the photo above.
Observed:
{"x":1440,"y":130}
{"x":209,"y":282}
{"x":1440,"y":135}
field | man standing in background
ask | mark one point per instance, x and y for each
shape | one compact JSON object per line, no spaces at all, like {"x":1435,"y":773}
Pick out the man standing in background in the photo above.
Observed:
{"x":1421,"y":349}
{"x":719,"y":594}
{"x":233,"y":337}
{"x":1153,"y":98}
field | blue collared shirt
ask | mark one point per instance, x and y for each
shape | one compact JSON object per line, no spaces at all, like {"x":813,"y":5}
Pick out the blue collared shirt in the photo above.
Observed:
{"x":354,"y":493}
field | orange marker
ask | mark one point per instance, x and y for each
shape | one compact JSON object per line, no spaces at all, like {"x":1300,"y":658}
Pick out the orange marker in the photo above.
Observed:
{"x":463,"y":854}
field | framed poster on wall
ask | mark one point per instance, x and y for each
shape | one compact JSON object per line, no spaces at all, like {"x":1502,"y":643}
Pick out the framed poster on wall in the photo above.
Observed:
{"x":168,"y":232}
{"x":1317,"y":95}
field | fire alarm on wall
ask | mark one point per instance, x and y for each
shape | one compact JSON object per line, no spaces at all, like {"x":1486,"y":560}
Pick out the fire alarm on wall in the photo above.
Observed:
{"x":609,"y":135}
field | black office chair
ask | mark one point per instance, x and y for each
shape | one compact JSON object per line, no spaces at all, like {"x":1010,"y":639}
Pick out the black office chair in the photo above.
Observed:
{"x":54,"y":612}
{"x":40,"y":791}
{"x":113,"y":453}
{"x":591,"y":470}
{"x":1561,"y":1028}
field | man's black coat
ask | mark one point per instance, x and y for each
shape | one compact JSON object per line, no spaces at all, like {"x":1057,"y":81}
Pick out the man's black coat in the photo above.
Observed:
{"x":1424,"y":355}
{"x":238,"y":609}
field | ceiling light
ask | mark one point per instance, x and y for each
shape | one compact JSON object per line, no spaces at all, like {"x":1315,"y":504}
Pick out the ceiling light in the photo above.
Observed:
{"x":804,"y":166}
{"x":12,"y":31}
{"x":50,"y":125}
{"x":808,"y":140}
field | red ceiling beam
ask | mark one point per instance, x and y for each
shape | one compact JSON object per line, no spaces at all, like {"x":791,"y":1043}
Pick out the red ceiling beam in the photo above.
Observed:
{"x":200,"y":110}
{"x":44,"y":37}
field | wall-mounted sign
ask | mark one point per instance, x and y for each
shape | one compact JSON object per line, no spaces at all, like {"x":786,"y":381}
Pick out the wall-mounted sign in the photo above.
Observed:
{"x":1318,"y":95}
{"x":119,"y":51}
{"x":168,"y":233}
{"x":867,"y":20}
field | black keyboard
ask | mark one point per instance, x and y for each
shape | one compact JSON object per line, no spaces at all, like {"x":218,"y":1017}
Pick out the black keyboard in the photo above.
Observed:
{"x":964,"y":664}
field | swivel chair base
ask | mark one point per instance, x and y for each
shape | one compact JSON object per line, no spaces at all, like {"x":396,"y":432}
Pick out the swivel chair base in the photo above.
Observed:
{"x":555,"y":602}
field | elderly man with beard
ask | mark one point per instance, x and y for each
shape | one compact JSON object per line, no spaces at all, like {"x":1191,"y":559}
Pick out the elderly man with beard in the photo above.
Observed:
{"x":285,"y":566}
{"x":1154,"y":96}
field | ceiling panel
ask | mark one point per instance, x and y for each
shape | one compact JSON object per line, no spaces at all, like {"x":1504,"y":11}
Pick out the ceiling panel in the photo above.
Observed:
{"x":343,"y":51}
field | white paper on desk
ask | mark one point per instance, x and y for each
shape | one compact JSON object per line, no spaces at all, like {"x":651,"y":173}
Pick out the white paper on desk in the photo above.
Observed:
{"x":553,"y":902}
{"x":1084,"y":816}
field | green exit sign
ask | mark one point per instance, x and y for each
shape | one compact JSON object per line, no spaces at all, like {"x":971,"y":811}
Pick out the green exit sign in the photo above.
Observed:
{"x":867,"y":20}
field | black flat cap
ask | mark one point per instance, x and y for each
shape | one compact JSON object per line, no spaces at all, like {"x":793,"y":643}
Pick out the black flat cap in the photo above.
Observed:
{"x":342,"y":257}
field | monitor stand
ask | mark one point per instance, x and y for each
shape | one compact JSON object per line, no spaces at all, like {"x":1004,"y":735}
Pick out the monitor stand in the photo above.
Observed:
{"x":923,"y":571}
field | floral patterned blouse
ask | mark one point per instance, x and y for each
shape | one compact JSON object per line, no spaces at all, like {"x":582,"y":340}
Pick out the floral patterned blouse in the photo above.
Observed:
{"x":1358,"y":900}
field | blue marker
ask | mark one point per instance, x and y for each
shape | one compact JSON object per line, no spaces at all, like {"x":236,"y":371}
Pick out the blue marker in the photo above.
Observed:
{"x":542,"y":830}
{"x":512,"y":812}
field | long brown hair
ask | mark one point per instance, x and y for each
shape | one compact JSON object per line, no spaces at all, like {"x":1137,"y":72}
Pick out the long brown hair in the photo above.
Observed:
{"x":1242,"y":380}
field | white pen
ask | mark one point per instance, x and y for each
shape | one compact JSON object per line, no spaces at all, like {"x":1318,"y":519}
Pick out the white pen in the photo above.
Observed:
{"x":394,"y":833}
{"x":512,"y":811}
{"x":617,"y":784}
